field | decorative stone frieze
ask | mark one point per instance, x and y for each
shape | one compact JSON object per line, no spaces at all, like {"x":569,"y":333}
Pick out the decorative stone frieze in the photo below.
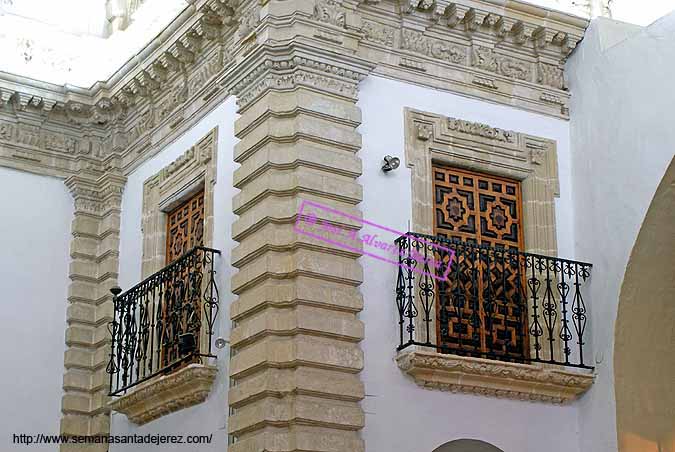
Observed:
{"x":501,"y":48}
{"x":482,"y":50}
{"x":331,"y":12}
{"x":165,"y":394}
{"x":147,"y":98}
{"x":529,"y":382}
{"x":305,"y":72}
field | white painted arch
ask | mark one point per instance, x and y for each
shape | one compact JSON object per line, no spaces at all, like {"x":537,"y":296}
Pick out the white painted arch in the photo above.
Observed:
{"x":467,"y":445}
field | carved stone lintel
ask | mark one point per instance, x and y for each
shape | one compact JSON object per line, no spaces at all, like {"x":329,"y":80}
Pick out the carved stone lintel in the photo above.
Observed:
{"x":481,"y":130}
{"x":530,"y":382}
{"x":184,"y":388}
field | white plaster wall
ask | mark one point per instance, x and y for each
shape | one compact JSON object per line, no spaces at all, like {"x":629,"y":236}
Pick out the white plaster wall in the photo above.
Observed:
{"x":36,"y":212}
{"x":400,"y":416}
{"x":623,"y":139}
{"x":209,"y":417}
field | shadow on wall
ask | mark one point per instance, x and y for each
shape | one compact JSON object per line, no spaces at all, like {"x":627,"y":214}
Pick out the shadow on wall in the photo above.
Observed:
{"x":467,"y":445}
{"x":644,"y":355}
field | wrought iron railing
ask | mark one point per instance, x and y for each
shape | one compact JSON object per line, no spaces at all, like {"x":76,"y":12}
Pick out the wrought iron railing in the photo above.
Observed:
{"x":163,"y":322}
{"x":494,"y":303}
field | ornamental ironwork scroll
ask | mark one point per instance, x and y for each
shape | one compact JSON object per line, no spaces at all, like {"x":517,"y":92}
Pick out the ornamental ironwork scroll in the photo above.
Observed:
{"x":546,"y":292}
{"x":165,"y":321}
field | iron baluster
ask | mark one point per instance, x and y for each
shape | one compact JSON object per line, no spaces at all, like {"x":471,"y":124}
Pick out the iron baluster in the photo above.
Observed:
{"x":461,"y":295}
{"x":426,"y":292}
{"x":159,"y":319}
{"x":211,"y":306}
{"x":564,"y":289}
{"x":488,"y":305}
{"x":550,"y":308}
{"x":153,"y":293}
{"x":579,"y":308}
{"x":475,"y":308}
{"x":520,"y":302}
{"x":533,"y":284}
{"x":410,"y":309}
{"x":112,"y":367}
{"x":400,"y":289}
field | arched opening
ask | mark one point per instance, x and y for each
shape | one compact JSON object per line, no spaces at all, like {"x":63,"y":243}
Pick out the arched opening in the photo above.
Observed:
{"x":644,"y":347}
{"x":467,"y":445}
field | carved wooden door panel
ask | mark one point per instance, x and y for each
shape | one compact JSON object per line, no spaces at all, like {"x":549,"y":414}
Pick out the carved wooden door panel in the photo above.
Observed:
{"x":185,"y":227}
{"x":181,"y":308}
{"x":480,"y":308}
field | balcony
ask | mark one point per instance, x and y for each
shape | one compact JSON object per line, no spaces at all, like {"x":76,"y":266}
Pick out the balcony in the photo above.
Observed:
{"x":495,"y":321}
{"x":161,"y":334}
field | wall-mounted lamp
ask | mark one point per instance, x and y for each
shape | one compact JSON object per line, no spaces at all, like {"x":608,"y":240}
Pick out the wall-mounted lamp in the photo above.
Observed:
{"x":221,"y":342}
{"x":390,"y":163}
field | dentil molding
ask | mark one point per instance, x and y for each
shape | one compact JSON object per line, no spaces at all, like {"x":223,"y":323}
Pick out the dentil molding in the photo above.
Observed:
{"x":530,"y":382}
{"x":160,"y":396}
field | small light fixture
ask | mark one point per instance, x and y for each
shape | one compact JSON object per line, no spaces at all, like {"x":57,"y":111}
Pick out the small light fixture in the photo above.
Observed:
{"x":221,"y":342}
{"x":390,"y":163}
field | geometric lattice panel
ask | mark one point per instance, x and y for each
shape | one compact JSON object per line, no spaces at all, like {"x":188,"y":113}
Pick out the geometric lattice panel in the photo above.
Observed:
{"x":477,"y":208}
{"x":185,"y":227}
{"x":185,"y":230}
{"x":481,"y":307}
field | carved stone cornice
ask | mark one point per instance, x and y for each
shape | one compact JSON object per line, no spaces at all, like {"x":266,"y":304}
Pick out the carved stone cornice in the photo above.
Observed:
{"x":530,"y":382}
{"x":510,"y":53}
{"x":166,"y":394}
{"x":157,"y":62}
{"x":483,"y":49}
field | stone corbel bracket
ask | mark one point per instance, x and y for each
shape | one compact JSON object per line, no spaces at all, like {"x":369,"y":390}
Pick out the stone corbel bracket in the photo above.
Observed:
{"x":158,"y":397}
{"x":528,"y":382}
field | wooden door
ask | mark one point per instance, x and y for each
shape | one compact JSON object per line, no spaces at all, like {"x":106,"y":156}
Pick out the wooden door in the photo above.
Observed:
{"x":181,"y":309}
{"x":481,"y":308}
{"x":185,"y":227}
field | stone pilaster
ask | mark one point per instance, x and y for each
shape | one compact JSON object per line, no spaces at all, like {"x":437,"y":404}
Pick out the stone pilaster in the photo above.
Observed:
{"x":94,"y":252}
{"x":296,"y":357}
